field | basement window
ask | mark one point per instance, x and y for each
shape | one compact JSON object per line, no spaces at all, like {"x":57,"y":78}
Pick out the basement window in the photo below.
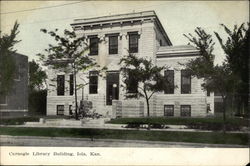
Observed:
{"x":168,"y":110}
{"x":185,"y":110}
{"x":60,"y":110}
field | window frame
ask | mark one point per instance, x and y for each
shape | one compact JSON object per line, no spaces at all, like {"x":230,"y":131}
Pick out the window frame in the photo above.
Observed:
{"x":63,"y":85}
{"x":129,"y":89}
{"x":208,"y":93}
{"x":184,"y":114}
{"x":114,"y":36}
{"x":208,"y":108}
{"x":133,"y":49}
{"x":91,"y":75}
{"x":71,"y":84}
{"x":169,"y":89}
{"x":182,"y":85}
{"x":70,"y":110}
{"x":93,"y":45}
{"x":165,"y":113}
{"x":57,"y":110}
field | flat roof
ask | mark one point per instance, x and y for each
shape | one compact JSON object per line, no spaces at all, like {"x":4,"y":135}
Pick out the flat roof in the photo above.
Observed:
{"x":122,"y":17}
{"x":115,"y":17}
{"x":175,"y":51}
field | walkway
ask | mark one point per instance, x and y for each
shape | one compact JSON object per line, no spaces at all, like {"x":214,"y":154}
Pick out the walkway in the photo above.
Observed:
{"x":6,"y":140}
{"x":100,"y":124}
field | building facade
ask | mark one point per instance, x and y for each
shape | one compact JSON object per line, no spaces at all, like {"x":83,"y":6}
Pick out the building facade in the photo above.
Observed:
{"x":111,"y":38}
{"x":15,"y":104}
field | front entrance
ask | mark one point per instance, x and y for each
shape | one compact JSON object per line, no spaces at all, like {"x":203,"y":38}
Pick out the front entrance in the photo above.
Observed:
{"x":112,"y":91}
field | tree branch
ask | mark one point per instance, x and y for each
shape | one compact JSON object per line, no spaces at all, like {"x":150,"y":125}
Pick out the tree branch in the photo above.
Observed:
{"x":151,"y":95}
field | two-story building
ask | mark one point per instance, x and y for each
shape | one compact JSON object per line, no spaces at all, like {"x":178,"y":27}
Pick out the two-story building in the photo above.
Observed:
{"x":112,"y":37}
{"x":15,"y":103}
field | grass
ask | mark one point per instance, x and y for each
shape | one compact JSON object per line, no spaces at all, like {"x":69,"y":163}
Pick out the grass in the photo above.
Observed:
{"x":174,"y":136}
{"x":180,"y":121}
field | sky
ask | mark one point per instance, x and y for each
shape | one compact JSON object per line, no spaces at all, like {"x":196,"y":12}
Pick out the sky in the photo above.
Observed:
{"x":177,"y":18}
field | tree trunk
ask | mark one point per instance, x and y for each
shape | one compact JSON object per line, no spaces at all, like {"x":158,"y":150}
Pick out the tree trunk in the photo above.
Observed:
{"x":147,"y":100}
{"x":76,"y":105}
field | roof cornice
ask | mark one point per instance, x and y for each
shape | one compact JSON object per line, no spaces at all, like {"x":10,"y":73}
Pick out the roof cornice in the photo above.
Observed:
{"x":141,"y":16}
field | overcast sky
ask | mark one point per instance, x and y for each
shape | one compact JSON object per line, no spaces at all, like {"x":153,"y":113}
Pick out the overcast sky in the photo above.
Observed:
{"x":177,"y":18}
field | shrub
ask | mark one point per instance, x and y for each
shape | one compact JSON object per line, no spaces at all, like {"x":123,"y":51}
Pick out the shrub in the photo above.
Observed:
{"x":37,"y":102}
{"x":145,"y":126}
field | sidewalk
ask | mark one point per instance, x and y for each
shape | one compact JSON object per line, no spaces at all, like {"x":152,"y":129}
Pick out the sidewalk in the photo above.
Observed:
{"x":7,"y":140}
{"x":100,"y":124}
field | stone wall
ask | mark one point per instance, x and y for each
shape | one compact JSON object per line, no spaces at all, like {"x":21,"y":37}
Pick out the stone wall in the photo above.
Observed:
{"x":127,"y":108}
{"x":197,"y":103}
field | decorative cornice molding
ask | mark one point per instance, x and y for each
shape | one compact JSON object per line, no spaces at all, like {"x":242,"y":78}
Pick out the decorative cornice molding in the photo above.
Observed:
{"x":129,"y":19}
{"x":171,"y":55}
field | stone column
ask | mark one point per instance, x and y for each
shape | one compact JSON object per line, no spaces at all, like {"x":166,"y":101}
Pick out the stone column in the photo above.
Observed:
{"x":102,"y":52}
{"x":124,"y":43}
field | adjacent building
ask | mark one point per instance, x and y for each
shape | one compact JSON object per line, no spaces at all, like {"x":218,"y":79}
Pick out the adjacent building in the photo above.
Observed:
{"x":112,"y":37}
{"x":16,"y":102}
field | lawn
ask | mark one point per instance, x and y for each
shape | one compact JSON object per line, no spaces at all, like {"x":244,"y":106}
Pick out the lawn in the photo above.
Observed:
{"x":18,"y":121}
{"x":174,"y":136}
{"x":180,"y":121}
{"x":212,"y":123}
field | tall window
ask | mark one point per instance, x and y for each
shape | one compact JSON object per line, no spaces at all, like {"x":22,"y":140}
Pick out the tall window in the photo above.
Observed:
{"x":133,"y":42}
{"x":132,"y":83}
{"x":60,"y":110}
{"x":60,"y":85}
{"x":113,"y":44}
{"x":71,"y":84}
{"x":93,"y":82}
{"x":208,"y":108}
{"x":169,"y":74}
{"x":185,"y":82}
{"x":93,"y":45}
{"x":185,"y":110}
{"x":70,"y":110}
{"x":208,"y":92}
{"x":168,"y":110}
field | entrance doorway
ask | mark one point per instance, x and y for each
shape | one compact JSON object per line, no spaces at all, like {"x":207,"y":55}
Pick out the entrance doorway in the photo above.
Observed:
{"x":112,"y":91}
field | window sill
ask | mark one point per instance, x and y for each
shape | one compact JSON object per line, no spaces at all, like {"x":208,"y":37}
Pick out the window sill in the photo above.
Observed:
{"x":134,"y":53}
